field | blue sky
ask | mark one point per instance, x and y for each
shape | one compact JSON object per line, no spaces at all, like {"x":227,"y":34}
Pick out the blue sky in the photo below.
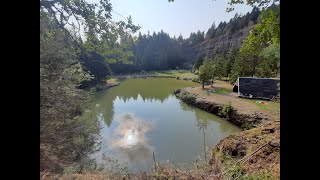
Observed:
{"x":175,"y":18}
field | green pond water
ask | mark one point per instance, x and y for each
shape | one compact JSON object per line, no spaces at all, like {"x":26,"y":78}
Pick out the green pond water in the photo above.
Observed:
{"x":142,"y":116}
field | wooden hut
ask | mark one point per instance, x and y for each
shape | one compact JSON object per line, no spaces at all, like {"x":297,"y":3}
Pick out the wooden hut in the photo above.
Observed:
{"x":258,"y":88}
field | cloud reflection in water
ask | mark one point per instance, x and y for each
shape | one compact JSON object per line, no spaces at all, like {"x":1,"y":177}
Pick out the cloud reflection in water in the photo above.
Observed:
{"x":129,"y":140}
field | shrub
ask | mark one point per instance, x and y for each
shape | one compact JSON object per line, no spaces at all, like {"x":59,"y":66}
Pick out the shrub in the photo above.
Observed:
{"x":226,"y":111}
{"x":247,"y":125}
{"x":188,"y":98}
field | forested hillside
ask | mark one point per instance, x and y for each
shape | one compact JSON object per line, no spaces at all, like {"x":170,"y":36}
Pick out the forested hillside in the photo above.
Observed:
{"x":159,"y":51}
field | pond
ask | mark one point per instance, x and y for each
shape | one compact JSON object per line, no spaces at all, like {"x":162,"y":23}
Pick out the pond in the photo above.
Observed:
{"x":141,"y":116}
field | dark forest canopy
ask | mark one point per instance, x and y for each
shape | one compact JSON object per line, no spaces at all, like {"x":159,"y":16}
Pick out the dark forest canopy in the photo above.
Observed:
{"x":103,"y":55}
{"x":159,"y":51}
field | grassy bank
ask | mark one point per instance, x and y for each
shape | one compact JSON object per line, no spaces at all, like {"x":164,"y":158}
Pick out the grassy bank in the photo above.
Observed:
{"x":251,"y":154}
{"x":182,"y":74}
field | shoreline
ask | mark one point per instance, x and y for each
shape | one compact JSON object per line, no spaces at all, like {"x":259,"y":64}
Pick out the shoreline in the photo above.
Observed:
{"x":247,"y":120}
{"x":258,"y":145}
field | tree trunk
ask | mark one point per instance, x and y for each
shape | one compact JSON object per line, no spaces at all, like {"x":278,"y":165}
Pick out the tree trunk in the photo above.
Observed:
{"x":203,"y":85}
{"x":211,"y":82}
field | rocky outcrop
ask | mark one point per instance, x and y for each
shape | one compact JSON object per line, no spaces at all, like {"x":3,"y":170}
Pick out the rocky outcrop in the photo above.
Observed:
{"x":223,"y":43}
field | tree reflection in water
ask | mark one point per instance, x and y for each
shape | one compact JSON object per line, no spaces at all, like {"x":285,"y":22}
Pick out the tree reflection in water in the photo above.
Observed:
{"x":202,"y":124}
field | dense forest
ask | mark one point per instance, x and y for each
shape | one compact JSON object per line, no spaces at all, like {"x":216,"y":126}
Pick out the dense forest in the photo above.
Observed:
{"x":159,"y":51}
{"x":71,"y":60}
{"x":221,"y":45}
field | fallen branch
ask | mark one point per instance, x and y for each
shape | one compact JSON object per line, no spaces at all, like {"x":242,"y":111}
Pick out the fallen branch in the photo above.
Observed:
{"x":44,"y":175}
{"x":250,"y":155}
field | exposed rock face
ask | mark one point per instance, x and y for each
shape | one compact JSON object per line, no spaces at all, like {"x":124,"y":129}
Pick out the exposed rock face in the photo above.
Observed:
{"x":223,"y":42}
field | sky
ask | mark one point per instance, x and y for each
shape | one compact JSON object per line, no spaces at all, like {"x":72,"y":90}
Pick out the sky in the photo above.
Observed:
{"x":175,"y":18}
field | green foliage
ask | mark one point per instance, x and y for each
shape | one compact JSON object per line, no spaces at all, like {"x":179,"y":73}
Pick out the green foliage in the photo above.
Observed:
{"x":190,"y":99}
{"x":260,"y":3}
{"x":226,"y":111}
{"x":67,"y":62}
{"x":206,"y":71}
{"x":222,"y":91}
{"x":247,"y":125}
{"x":262,"y":175}
{"x":267,"y":31}
{"x":66,"y":134}
{"x":199,"y":60}
{"x":219,"y":66}
{"x":195,"y":38}
{"x":242,"y":67}
{"x":187,"y":97}
{"x":157,"y":52}
{"x":105,"y":42}
{"x":270,"y":65}
{"x":260,"y":52}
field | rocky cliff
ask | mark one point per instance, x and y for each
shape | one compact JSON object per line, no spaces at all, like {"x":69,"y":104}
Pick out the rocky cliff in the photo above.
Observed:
{"x":224,"y":43}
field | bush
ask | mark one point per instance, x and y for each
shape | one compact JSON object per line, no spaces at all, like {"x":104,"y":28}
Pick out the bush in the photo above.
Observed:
{"x":187,"y":97}
{"x":196,"y":79}
{"x":226,"y":111}
{"x":247,"y":125}
{"x":177,"y":91}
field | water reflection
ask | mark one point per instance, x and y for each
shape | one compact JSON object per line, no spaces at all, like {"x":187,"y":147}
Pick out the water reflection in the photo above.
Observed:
{"x":202,"y":125}
{"x":148,"y":89}
{"x":131,"y":137}
{"x":129,"y":140}
{"x":202,"y":117}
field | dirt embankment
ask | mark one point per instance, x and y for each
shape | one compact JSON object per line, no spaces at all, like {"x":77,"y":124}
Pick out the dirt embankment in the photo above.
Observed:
{"x":241,"y":115}
{"x":250,"y":154}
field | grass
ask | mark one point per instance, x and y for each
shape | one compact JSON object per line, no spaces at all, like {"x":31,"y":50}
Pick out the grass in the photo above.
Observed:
{"x":218,"y":91}
{"x":272,"y":107}
{"x":112,"y":81}
{"x":176,"y":73}
{"x":222,"y":91}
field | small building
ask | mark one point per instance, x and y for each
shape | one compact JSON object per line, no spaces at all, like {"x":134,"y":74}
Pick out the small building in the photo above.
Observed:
{"x":258,"y":88}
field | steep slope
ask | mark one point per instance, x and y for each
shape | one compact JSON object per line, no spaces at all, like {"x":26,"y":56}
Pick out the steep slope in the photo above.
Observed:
{"x":222,"y":43}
